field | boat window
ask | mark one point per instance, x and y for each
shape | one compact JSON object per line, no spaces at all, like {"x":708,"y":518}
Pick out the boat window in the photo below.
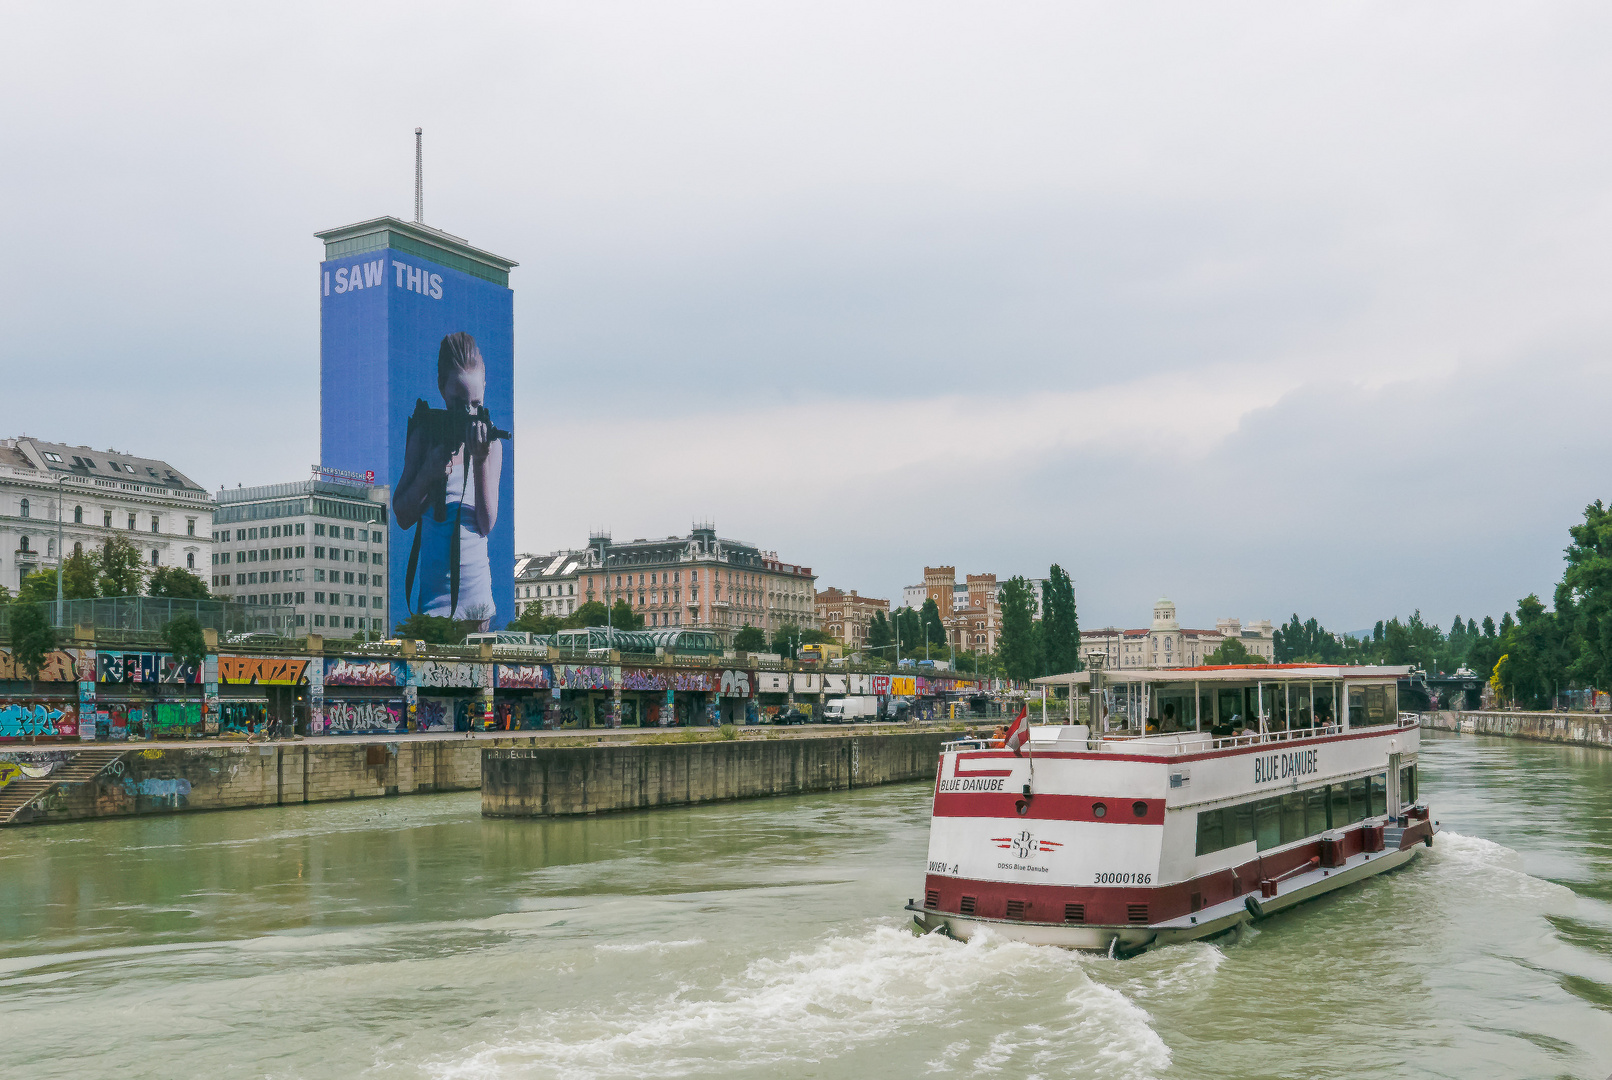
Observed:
{"x":1325,"y":707}
{"x":1211,"y":836}
{"x":1369,"y":706}
{"x":1407,"y":785}
{"x":1315,"y":811}
{"x":1229,"y":706}
{"x":1293,"y":817}
{"x":1359,"y":808}
{"x":1338,"y":808}
{"x":1276,"y":707}
{"x":1241,"y":827}
{"x":1268,"y":823}
{"x":1379,"y":795}
{"x":1298,"y":704}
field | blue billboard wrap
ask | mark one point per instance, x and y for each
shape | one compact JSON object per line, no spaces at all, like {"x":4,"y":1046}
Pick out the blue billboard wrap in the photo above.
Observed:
{"x":417,"y":383}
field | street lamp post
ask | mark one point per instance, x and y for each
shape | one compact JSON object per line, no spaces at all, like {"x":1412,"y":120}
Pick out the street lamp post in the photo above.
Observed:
{"x":60,"y":555}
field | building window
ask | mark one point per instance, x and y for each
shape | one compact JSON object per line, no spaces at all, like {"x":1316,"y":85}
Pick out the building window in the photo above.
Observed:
{"x":131,"y":522}
{"x":377,"y":603}
{"x":240,"y":579}
{"x":318,"y":597}
{"x":78,"y":515}
{"x":319,"y":528}
{"x":25,"y":508}
{"x":24,"y":548}
{"x":78,"y":548}
{"x":319,"y":620}
{"x":153,"y":556}
{"x":318,"y":575}
{"x":300,"y":599}
{"x":348,"y":623}
{"x":153,"y":522}
{"x":190,"y":526}
{"x":190,"y":560}
{"x":106,"y":519}
{"x":301,"y":620}
{"x":347,"y":534}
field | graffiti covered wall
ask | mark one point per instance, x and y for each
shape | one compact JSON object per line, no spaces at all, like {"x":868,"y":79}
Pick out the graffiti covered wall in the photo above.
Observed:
{"x":262,"y":671}
{"x":344,"y":672}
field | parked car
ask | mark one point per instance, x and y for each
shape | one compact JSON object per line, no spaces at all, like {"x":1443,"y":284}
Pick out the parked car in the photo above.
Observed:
{"x":790,"y":716}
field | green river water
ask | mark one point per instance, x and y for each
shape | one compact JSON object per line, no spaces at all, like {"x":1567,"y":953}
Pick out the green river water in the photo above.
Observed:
{"x":410,"y":938}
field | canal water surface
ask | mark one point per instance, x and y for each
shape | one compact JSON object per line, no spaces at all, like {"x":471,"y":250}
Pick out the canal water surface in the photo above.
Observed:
{"x":409,"y":938}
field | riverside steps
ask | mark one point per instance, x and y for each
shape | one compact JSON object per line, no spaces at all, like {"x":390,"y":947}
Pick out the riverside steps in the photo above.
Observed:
{"x":562,"y":781}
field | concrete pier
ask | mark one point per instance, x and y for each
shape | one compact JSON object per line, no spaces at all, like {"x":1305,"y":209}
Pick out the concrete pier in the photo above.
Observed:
{"x":561,"y":781}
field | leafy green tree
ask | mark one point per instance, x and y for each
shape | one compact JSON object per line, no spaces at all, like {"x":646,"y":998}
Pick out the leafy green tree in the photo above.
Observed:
{"x":433,"y":629}
{"x":5,"y":595}
{"x":785,"y":639}
{"x":750,"y":639}
{"x":592,"y":613}
{"x":183,"y":635}
{"x":1060,"y":628}
{"x":122,"y":570}
{"x":33,"y":638}
{"x":1586,"y":590}
{"x":176,"y":583}
{"x":1538,"y":655}
{"x":1232,"y":651}
{"x":1018,"y":647}
{"x":81,"y":577}
{"x":533,"y":621}
{"x":623,"y":617}
{"x":930,"y":628}
{"x":909,"y":631}
{"x":879,"y":635}
{"x":38,"y":587}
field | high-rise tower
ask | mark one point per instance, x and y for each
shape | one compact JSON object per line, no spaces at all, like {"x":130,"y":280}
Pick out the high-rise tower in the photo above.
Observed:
{"x":417,"y":348}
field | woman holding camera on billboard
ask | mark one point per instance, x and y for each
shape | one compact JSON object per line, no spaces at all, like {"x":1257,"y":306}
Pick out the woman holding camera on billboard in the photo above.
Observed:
{"x":452,"y":462}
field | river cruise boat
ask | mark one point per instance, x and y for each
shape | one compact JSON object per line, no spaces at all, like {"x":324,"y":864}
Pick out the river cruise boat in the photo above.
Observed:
{"x":1206,"y":798}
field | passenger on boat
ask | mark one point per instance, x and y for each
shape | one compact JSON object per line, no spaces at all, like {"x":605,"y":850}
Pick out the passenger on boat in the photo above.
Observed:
{"x":999,"y":737}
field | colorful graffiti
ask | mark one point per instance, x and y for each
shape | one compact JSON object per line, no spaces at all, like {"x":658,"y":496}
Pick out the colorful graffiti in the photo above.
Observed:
{"x":644,"y":679}
{"x":262,"y":671}
{"x":363,"y":717}
{"x":172,"y":716}
{"x":63,"y":665}
{"x":697,"y":681}
{"x":434,"y":714}
{"x":25,"y":719}
{"x":343,"y":672}
{"x":580,"y":677}
{"x":736,"y":684}
{"x":443,"y":674}
{"x":145,"y":668}
{"x":522,"y":676}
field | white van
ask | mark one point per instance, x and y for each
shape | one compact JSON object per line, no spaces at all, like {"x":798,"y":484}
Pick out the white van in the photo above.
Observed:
{"x":851,"y":710}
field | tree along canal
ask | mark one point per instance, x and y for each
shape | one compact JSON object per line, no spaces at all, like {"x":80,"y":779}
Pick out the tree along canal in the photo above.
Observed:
{"x":412,"y":938}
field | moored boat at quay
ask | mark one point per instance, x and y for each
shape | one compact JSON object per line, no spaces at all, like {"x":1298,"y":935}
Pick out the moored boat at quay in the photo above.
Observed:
{"x":1207,"y":797}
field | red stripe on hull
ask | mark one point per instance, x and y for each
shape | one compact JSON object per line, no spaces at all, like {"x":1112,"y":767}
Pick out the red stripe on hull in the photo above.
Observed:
{"x":1113,"y":905}
{"x":1253,"y":750}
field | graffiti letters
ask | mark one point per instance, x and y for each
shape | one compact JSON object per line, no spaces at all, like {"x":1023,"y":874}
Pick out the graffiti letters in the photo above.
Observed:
{"x":343,"y":672}
{"x":59,"y":666}
{"x":442,"y":673}
{"x":522,"y":676}
{"x":22,"y":719}
{"x":262,"y":671}
{"x":735,"y":683}
{"x":363,"y":717}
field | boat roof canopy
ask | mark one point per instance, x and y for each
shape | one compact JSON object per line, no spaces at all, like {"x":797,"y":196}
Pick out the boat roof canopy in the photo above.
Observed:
{"x":1240,"y":673}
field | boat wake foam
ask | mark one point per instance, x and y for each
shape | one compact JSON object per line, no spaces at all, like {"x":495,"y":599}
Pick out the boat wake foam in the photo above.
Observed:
{"x":884,"y":992}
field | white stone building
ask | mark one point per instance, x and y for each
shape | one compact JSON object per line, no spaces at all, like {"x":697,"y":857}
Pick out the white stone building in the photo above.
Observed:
{"x":1167,"y":644}
{"x":549,"y":582}
{"x":102,"y":493}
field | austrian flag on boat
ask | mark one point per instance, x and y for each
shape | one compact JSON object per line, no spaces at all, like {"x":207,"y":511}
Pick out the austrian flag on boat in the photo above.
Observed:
{"x":1019,"y":733}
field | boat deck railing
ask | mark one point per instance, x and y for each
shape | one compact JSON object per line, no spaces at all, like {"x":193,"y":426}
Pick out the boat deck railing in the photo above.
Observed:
{"x":1172,"y":743}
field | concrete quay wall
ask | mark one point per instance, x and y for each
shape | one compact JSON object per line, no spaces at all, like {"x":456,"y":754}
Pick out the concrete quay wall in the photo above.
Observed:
{"x":165,"y":780}
{"x":553,"y":781}
{"x":1577,"y":729}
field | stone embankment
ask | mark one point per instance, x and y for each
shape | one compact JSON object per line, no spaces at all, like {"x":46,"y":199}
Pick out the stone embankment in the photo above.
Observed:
{"x":562,"y":781}
{"x":1578,"y":729}
{"x":43,"y":785}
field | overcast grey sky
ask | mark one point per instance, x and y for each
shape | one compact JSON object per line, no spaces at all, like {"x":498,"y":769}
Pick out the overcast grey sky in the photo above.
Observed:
{"x":1266,"y":307}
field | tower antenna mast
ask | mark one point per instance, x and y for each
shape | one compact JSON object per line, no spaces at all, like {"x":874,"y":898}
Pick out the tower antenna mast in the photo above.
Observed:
{"x":419,"y":178}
